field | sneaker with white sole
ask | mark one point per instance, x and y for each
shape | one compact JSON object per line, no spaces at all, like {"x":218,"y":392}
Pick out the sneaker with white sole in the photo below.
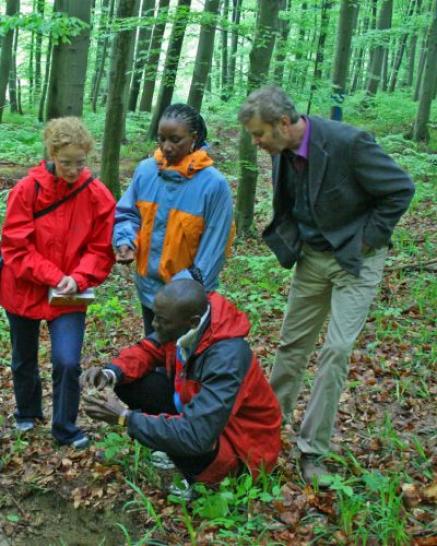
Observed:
{"x":25,"y":426}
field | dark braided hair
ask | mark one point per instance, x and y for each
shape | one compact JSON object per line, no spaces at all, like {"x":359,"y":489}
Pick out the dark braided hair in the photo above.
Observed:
{"x":190,"y":118}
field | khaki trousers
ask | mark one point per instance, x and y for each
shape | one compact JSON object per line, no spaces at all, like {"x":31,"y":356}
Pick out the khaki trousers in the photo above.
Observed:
{"x":320,"y":286}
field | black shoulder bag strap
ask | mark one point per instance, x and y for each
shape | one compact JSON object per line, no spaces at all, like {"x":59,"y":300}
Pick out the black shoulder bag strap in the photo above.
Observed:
{"x":57,"y":204}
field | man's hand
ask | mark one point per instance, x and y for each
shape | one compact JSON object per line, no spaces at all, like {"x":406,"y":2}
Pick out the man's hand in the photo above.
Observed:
{"x":124,"y":254}
{"x":67,"y":285}
{"x":96,"y":378}
{"x":105,"y":406}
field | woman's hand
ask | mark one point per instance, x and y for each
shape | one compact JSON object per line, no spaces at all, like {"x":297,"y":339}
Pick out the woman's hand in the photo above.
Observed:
{"x":124,"y":254}
{"x":67,"y":285}
{"x":105,"y":406}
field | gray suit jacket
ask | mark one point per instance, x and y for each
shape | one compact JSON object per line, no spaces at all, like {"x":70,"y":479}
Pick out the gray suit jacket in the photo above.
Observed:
{"x":357,"y":195}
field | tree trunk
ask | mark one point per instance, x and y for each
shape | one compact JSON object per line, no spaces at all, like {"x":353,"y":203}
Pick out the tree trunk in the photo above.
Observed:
{"x":113,"y":132}
{"x":38,"y":50}
{"x":42,"y":100}
{"x":13,"y":75}
{"x":384,"y":22}
{"x":420,"y":131}
{"x":204,"y":53}
{"x":144,"y":36}
{"x":281,"y":43}
{"x":400,"y":51}
{"x":236,"y":14}
{"x":320,"y":52}
{"x":151,"y":68}
{"x":100,"y":69}
{"x":171,"y":65}
{"x":259,"y":62}
{"x":12,"y":8}
{"x":346,"y":22}
{"x":69,"y":64}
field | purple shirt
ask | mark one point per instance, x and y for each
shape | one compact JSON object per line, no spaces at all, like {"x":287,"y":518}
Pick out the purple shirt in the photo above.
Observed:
{"x":303,"y":150}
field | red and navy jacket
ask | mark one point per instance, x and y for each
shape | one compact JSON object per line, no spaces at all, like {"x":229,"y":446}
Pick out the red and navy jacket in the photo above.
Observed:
{"x":226,"y":397}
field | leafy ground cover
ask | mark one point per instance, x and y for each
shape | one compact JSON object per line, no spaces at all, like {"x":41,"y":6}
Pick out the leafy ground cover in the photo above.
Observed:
{"x":384,"y":485}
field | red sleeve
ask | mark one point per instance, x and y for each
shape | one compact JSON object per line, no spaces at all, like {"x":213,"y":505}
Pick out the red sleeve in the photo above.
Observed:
{"x":139,"y":360}
{"x":18,"y":248}
{"x":98,"y":258}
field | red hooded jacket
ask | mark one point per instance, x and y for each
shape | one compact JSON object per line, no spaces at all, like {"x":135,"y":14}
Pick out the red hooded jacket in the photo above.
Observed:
{"x":74,"y":239}
{"x":226,"y":397}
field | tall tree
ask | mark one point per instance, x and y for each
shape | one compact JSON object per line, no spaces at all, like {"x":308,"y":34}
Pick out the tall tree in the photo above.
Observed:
{"x":236,"y":15}
{"x":401,"y":48}
{"x":384,"y":23}
{"x":69,"y":64}
{"x":144,"y":36}
{"x":420,"y":131}
{"x":259,"y":63}
{"x":171,"y":64}
{"x":12,"y":8}
{"x":151,"y":67}
{"x":205,"y":48}
{"x":114,"y":120}
{"x":281,"y":42}
{"x":347,"y":18}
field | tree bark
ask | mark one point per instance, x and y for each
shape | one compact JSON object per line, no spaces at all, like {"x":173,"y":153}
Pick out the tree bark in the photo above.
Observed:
{"x":69,"y":64}
{"x":236,"y":14}
{"x":346,"y":22}
{"x":12,"y":8}
{"x":151,"y":68}
{"x":144,"y":36}
{"x":259,"y":63}
{"x":171,"y":65}
{"x":420,"y":131}
{"x":384,"y":22}
{"x":204,"y":53}
{"x":113,"y":131}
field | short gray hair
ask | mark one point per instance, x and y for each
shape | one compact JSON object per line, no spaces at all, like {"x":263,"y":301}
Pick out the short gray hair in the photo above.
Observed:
{"x":270,"y":103}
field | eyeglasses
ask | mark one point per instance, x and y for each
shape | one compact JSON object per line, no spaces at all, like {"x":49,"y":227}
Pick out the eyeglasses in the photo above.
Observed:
{"x":66,"y":164}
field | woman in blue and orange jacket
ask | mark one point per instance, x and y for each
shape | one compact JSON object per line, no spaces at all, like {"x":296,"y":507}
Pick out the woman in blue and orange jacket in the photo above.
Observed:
{"x":175,"y":218}
{"x":67,"y":247}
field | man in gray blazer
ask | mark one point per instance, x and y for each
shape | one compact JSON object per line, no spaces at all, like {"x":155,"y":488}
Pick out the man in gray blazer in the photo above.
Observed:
{"x":337,"y":197}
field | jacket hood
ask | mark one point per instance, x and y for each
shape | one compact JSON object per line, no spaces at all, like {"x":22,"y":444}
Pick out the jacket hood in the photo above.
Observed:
{"x":226,"y":322}
{"x":46,"y":178}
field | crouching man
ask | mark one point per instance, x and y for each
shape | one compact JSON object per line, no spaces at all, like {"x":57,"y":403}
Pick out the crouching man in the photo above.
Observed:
{"x":193,"y":388}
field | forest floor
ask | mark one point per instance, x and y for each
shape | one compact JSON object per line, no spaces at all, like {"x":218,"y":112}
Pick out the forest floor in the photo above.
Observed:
{"x":384,"y":485}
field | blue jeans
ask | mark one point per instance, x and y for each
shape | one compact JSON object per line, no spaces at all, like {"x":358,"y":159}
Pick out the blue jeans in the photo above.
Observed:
{"x":66,"y":336}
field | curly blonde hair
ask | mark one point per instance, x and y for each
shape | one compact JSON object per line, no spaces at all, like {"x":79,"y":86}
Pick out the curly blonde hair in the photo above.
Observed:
{"x":60,"y":132}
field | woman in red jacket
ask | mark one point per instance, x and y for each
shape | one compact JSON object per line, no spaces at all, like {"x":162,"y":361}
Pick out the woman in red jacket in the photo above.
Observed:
{"x":57,"y":233}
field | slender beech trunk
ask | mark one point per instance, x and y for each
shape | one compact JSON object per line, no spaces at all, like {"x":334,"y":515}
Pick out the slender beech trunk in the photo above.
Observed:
{"x":113,"y":132}
{"x":342,"y":55}
{"x":151,"y":68}
{"x":144,"y":36}
{"x":236,"y":14}
{"x":259,"y":63}
{"x":420,"y":131}
{"x":12,"y":8}
{"x":204,"y":53}
{"x":171,"y":65}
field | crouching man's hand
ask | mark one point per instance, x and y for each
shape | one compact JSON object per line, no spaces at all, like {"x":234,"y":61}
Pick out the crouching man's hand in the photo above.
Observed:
{"x":97,"y":378}
{"x":105,"y":406}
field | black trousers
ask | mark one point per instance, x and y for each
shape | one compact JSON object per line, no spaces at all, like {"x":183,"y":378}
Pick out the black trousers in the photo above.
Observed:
{"x":153,"y":394}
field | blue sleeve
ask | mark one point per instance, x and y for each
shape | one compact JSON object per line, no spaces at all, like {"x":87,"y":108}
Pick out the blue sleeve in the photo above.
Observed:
{"x":218,"y":216}
{"x":127,"y":216}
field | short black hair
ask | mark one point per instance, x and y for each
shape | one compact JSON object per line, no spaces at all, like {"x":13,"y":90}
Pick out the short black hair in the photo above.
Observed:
{"x":191,"y":118}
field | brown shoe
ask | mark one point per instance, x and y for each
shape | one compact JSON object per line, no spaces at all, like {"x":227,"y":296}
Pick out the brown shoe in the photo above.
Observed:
{"x":313,"y":469}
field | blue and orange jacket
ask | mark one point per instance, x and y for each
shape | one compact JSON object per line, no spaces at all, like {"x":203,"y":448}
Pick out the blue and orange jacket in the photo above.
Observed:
{"x":175,"y":218}
{"x":226,"y":398}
